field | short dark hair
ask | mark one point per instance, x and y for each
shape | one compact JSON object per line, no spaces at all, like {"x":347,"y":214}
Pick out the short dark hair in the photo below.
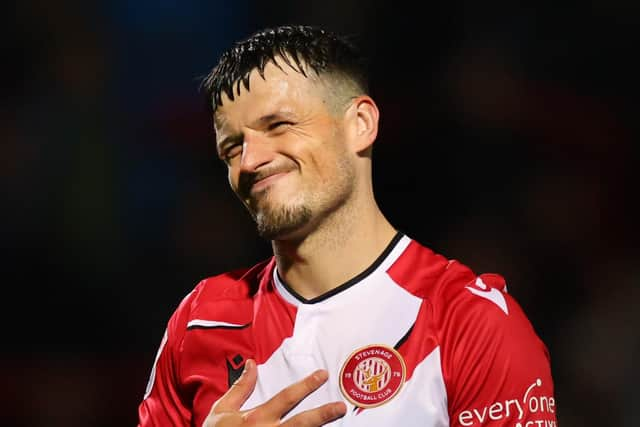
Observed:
{"x":298,"y":46}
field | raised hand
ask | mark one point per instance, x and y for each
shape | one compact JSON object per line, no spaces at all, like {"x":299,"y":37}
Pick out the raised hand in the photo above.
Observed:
{"x":226,"y":411}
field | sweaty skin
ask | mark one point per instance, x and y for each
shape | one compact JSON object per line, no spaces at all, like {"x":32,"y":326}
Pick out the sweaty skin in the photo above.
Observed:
{"x":302,"y":167}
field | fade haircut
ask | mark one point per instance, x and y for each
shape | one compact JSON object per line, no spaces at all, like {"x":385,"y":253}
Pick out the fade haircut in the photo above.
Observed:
{"x":302,"y":48}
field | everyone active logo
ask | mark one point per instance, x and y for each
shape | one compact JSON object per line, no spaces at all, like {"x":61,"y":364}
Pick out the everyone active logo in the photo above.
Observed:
{"x":539,"y":408}
{"x":372,"y":375}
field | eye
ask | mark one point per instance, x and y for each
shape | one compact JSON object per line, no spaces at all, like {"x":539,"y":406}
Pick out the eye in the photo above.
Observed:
{"x":231,"y":152}
{"x":279,"y":125}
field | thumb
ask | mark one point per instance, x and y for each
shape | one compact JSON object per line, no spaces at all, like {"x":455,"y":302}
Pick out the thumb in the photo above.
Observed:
{"x":239,"y":392}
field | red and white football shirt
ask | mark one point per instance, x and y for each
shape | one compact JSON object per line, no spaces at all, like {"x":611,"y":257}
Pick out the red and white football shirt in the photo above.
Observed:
{"x":415,"y":340}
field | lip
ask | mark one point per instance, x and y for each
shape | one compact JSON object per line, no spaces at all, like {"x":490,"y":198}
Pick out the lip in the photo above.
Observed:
{"x":267,"y":182}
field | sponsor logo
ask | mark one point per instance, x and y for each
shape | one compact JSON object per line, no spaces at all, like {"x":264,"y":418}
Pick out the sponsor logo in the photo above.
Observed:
{"x":492,"y":294}
{"x":372,"y":375}
{"x":538,"y":409}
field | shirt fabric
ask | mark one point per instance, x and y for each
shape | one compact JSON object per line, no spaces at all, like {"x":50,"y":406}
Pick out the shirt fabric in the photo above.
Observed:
{"x":414,"y":340}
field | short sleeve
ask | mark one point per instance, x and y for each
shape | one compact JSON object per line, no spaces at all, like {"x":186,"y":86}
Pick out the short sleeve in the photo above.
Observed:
{"x":497,"y":370}
{"x":163,"y":403}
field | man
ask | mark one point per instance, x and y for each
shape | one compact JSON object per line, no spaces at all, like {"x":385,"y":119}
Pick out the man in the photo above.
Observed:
{"x":351,"y":322}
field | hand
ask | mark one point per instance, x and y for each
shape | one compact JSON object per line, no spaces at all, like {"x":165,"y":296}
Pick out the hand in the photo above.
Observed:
{"x":225,"y":412}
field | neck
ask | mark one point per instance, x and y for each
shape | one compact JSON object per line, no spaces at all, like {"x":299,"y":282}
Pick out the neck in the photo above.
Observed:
{"x":338,"y":249}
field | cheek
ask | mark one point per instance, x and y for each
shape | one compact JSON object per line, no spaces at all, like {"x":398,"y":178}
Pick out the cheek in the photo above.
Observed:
{"x":232,"y":177}
{"x":331,"y":165}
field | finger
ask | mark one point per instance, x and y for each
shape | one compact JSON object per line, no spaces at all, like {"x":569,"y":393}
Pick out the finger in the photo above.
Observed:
{"x":239,"y":392}
{"x":318,"y":416}
{"x":289,"y":397}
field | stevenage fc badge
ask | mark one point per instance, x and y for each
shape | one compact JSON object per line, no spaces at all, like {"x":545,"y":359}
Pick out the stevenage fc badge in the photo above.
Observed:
{"x":372,"y":375}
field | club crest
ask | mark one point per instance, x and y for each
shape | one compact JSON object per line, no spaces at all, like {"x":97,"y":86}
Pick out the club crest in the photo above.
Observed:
{"x":372,"y":375}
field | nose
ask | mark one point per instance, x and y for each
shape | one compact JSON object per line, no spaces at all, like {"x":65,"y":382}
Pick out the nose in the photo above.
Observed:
{"x":256,"y":151}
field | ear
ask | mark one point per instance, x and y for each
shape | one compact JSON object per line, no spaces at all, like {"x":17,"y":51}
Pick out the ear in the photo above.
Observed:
{"x":364,"y":117}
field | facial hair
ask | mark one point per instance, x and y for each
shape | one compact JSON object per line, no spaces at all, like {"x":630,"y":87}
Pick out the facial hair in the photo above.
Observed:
{"x":276,"y":220}
{"x":272,"y":220}
{"x":281,"y":220}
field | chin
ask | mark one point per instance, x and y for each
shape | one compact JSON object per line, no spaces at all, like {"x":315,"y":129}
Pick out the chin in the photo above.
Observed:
{"x":283,"y":223}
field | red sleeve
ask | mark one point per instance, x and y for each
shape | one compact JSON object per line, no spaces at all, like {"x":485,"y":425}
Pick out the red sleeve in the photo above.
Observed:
{"x":496,"y":369}
{"x":163,"y":404}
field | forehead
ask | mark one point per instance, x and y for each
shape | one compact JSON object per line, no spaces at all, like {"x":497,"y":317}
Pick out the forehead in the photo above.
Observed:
{"x":281,"y":89}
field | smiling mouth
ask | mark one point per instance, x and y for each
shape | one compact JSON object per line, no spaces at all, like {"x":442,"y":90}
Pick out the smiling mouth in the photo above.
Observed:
{"x":262,"y":184}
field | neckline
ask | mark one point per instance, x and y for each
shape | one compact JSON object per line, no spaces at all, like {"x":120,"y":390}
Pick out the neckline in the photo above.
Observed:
{"x":290,"y":295}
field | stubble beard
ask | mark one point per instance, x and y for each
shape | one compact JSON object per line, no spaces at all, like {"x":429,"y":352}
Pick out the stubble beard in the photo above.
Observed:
{"x":275,"y":223}
{"x":285,"y":220}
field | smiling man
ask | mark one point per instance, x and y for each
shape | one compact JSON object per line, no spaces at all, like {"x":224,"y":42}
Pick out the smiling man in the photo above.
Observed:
{"x":286,"y":157}
{"x":351,"y":322}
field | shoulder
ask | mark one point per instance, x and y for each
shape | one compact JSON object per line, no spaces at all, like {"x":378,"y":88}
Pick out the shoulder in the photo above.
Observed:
{"x":220,"y":298}
{"x":235,"y":284}
{"x":428,"y":274}
{"x":489,"y":350}
{"x":453,"y":290}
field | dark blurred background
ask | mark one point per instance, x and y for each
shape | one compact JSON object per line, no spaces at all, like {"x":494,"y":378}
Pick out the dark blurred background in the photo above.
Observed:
{"x":508,"y":141}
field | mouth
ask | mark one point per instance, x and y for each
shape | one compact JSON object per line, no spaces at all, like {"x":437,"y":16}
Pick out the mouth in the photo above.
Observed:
{"x":262,"y":184}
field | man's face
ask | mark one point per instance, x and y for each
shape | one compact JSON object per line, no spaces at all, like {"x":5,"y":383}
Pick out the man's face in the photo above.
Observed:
{"x":285,"y":148}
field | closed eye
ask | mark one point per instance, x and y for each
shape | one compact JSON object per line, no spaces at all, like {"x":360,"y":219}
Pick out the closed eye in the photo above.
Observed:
{"x":231,"y":151}
{"x":276,"y":125}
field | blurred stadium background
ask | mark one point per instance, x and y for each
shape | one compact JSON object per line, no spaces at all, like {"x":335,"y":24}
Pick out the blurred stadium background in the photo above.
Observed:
{"x":508,"y":141}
